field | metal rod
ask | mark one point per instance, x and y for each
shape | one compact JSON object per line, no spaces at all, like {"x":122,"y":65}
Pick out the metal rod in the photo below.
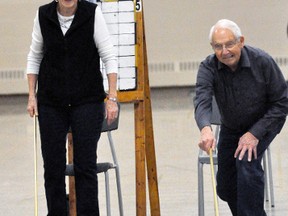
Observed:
{"x":35,"y":169}
{"x":213,"y":183}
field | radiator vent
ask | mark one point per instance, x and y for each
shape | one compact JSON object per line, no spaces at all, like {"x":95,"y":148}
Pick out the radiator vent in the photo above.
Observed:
{"x":13,"y":81}
{"x":192,"y":66}
{"x":12,"y":74}
{"x":162,"y":67}
{"x":174,"y":66}
{"x":189,"y":65}
{"x":282,"y":61}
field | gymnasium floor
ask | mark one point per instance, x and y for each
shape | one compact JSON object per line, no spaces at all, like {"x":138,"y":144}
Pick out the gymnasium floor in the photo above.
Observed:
{"x":176,"y":137}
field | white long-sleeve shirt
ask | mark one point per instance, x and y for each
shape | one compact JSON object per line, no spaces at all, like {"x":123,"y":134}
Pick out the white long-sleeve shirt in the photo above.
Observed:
{"x":101,"y":37}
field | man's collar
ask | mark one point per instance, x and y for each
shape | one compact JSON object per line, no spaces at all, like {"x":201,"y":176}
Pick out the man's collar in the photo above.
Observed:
{"x":244,"y":60}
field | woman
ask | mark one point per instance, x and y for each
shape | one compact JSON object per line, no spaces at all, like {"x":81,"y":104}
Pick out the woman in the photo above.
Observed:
{"x":69,"y":37}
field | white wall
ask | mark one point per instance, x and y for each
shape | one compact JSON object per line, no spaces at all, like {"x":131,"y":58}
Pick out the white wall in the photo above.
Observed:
{"x":176,"y":32}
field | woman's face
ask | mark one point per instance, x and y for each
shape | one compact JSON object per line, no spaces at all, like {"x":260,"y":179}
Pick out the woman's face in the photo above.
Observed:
{"x":67,"y":7}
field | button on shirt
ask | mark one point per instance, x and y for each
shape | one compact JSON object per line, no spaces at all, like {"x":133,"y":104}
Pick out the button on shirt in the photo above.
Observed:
{"x":252,"y":98}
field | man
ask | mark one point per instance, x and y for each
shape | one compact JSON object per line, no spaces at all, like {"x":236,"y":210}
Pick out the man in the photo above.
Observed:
{"x":251,"y":94}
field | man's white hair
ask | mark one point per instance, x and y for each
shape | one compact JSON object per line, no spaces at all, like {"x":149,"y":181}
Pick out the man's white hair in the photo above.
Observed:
{"x":226,"y":24}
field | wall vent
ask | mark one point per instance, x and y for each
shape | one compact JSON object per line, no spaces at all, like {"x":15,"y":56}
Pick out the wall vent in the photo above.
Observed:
{"x":192,"y":66}
{"x":281,"y":61}
{"x":174,"y":66}
{"x":161,"y":66}
{"x":189,"y":65}
{"x":162,"y":74}
{"x":12,"y":74}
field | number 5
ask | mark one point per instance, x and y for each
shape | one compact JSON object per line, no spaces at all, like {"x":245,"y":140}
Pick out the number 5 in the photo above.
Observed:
{"x":138,"y":5}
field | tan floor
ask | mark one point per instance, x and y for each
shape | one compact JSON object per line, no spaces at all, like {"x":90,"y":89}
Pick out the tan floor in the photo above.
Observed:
{"x":176,"y":139}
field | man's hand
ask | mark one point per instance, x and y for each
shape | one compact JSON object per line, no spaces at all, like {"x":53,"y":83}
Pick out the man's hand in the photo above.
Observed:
{"x":248,"y":142}
{"x":207,"y":139}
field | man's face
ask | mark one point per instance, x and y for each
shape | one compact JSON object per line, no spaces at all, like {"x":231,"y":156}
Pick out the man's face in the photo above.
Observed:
{"x":227,"y":48}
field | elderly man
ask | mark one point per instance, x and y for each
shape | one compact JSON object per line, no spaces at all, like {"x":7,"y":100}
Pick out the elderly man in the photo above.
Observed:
{"x":251,"y":94}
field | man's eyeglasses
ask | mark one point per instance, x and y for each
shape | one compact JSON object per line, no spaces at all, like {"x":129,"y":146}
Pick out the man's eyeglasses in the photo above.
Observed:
{"x":227,"y":46}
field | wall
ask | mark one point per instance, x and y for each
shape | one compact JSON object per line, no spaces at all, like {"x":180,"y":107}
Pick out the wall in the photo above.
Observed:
{"x":176,"y":32}
{"x":179,"y":29}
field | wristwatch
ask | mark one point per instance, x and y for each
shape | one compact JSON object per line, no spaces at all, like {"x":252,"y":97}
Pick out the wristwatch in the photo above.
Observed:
{"x":114,"y":99}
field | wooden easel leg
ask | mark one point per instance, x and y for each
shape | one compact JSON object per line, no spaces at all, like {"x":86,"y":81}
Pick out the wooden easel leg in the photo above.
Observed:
{"x":151,"y":162}
{"x":140,"y":159}
{"x":149,"y":139}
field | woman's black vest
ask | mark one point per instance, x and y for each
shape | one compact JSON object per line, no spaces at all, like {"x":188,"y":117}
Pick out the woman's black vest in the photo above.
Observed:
{"x":70,"y":70}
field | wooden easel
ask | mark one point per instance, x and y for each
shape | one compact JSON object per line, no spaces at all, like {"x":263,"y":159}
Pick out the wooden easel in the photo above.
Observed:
{"x":144,"y":137}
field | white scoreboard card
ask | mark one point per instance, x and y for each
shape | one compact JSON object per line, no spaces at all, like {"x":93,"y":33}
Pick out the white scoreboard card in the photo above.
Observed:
{"x":120,"y":19}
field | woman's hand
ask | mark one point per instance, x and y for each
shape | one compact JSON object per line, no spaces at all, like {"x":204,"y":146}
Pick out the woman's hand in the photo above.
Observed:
{"x":111,"y":112}
{"x":32,"y":106}
{"x":32,"y":99}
